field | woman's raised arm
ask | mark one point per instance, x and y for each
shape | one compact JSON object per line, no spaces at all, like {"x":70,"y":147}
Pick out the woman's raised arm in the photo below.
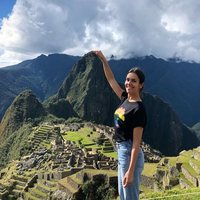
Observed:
{"x":109,"y":74}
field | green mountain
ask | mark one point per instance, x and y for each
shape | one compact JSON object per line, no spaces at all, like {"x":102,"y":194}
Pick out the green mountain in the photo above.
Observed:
{"x":17,"y":124}
{"x":86,"y":94}
{"x":43,"y":75}
{"x":55,"y":154}
{"x":164,"y":130}
{"x":87,"y":90}
{"x":60,"y":108}
{"x":175,"y":81}
{"x":91,"y":97}
{"x":25,"y":107}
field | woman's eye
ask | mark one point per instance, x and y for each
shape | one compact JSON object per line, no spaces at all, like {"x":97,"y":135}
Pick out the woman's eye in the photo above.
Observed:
{"x":131,"y":80}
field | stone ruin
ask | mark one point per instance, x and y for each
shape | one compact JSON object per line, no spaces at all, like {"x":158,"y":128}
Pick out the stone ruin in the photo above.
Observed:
{"x":186,"y":175}
{"x":61,"y":160}
{"x":70,"y":188}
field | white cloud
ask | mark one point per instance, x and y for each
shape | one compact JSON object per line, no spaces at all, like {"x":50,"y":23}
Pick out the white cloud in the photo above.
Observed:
{"x":124,"y":28}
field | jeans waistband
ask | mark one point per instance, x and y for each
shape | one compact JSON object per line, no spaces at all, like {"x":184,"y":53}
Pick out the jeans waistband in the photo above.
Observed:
{"x":125,"y":144}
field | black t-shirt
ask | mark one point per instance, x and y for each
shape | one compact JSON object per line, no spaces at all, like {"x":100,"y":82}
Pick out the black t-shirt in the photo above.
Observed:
{"x":128,"y":116}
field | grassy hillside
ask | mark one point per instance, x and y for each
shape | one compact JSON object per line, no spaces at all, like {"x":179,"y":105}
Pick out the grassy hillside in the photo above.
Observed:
{"x":88,"y":138}
{"x":51,"y":172}
{"x":175,"y":194}
{"x":14,"y":147}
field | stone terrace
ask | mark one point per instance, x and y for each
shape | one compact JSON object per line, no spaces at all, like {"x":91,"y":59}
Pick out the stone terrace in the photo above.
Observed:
{"x":186,"y":171}
{"x":191,"y":171}
{"x":61,"y":160}
{"x":41,"y":134}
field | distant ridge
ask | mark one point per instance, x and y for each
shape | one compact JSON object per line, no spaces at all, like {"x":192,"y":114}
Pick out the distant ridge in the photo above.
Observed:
{"x":175,"y":81}
{"x":86,"y":94}
{"x":43,"y":75}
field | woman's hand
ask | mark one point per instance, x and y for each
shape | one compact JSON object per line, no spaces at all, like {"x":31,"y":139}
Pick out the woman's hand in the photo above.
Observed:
{"x":128,"y":179}
{"x":109,"y":74}
{"x":100,"y":55}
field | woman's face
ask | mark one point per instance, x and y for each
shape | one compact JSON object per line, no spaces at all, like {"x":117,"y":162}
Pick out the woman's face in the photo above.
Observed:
{"x":132,"y":84}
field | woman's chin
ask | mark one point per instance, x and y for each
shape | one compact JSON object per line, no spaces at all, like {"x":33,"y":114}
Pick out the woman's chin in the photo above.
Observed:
{"x":129,"y":91}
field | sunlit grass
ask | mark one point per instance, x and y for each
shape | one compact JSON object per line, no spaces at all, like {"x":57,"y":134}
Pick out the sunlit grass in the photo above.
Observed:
{"x":149,"y":169}
{"x":86,"y":137}
{"x":174,"y":194}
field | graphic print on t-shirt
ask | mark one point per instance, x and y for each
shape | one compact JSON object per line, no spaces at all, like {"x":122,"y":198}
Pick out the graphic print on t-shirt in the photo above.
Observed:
{"x":119,"y":114}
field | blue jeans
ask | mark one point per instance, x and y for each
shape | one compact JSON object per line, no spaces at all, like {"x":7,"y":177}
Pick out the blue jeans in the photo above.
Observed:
{"x":131,"y":192}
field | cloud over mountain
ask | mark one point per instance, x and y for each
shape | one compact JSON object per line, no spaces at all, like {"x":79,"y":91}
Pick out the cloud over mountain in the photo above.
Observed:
{"x":123,"y":28}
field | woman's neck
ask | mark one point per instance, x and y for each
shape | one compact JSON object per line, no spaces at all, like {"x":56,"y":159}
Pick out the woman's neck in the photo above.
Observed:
{"x":134,"y":98}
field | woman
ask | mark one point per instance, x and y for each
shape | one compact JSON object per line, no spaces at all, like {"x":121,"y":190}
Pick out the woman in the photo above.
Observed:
{"x":130,"y":120}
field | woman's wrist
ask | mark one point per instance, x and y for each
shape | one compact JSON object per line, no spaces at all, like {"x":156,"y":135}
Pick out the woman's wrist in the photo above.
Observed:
{"x":130,"y":171}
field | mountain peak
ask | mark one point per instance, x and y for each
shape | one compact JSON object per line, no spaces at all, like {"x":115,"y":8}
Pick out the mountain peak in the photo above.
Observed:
{"x":24,"y":107}
{"x":85,"y":88}
{"x":88,"y":67}
{"x":41,"y":56}
{"x":27,"y":105}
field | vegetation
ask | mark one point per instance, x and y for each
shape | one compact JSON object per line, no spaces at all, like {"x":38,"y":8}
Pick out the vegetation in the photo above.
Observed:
{"x":84,"y":138}
{"x":176,"y":194}
{"x":87,"y":137}
{"x":15,"y":145}
{"x":149,"y":169}
{"x":85,"y":93}
{"x":97,"y":190}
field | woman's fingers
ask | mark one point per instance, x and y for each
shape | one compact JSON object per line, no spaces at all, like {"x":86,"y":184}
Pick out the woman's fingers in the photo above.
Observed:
{"x":96,"y":51}
{"x":124,"y":182}
{"x":99,"y":54}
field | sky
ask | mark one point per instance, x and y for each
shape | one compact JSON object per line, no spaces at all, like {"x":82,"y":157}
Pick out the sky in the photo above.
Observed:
{"x":123,"y":28}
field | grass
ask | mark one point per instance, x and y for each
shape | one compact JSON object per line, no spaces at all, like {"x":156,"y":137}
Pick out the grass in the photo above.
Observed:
{"x":37,"y":192}
{"x":97,"y":171}
{"x":63,"y":182}
{"x":196,"y":162}
{"x":93,"y":172}
{"x":190,"y":169}
{"x":46,"y":144}
{"x":175,"y":194}
{"x":149,"y":169}
{"x":8,"y":173}
{"x":186,"y":180}
{"x":47,"y":188}
{"x":86,"y":138}
{"x":82,"y":135}
{"x":145,"y":189}
{"x":185,"y":156}
{"x":75,"y":179}
{"x":111,"y":154}
{"x":30,"y":196}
